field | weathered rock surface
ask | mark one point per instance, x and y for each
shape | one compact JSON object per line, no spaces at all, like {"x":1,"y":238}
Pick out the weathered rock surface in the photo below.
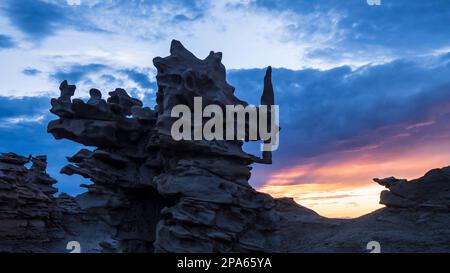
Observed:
{"x":29,"y":216}
{"x":150,"y":193}
{"x":431,"y":192}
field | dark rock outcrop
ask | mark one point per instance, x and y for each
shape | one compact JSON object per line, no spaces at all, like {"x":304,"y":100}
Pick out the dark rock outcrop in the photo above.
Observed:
{"x":158,"y":194}
{"x":122,"y":169}
{"x":431,"y":192}
{"x":29,"y":215}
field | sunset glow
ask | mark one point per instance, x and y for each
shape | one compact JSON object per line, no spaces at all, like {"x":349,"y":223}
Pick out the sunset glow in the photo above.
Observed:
{"x":331,"y":200}
{"x":343,"y":188}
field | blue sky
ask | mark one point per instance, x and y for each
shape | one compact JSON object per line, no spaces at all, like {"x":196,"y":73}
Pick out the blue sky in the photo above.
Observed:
{"x":355,"y":83}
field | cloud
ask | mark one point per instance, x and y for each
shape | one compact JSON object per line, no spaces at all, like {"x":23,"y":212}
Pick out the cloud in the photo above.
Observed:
{"x":16,"y":113}
{"x":6,"y":42}
{"x":31,"y":71}
{"x":140,"y":30}
{"x":39,"y":19}
{"x":22,"y":120}
{"x":137,"y":81}
{"x":324,"y":197}
{"x":11,"y":107}
{"x":374,"y":30}
{"x":77,"y":72}
{"x":320,"y":108}
{"x":141,"y":78}
{"x":298,"y":34}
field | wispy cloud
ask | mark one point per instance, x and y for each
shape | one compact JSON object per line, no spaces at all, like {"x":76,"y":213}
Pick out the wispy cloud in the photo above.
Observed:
{"x":77,"y":72}
{"x":21,"y":120}
{"x":139,"y":82}
{"x":22,"y":111}
{"x":31,"y":71}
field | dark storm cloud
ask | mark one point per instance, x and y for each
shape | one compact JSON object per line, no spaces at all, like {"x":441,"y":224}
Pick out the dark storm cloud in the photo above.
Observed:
{"x":39,"y":19}
{"x":320,"y":108}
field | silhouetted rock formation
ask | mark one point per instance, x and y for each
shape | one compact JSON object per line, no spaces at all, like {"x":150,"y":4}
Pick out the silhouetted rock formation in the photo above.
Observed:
{"x":150,"y":193}
{"x":159,"y":194}
{"x":29,"y":215}
{"x":431,"y":192}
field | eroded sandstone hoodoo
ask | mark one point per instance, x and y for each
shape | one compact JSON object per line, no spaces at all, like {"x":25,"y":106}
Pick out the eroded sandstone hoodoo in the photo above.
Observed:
{"x":122,"y":168}
{"x":160,"y":194}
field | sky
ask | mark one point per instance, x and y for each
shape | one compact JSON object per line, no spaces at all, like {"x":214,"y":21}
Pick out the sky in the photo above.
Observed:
{"x":363,"y":90}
